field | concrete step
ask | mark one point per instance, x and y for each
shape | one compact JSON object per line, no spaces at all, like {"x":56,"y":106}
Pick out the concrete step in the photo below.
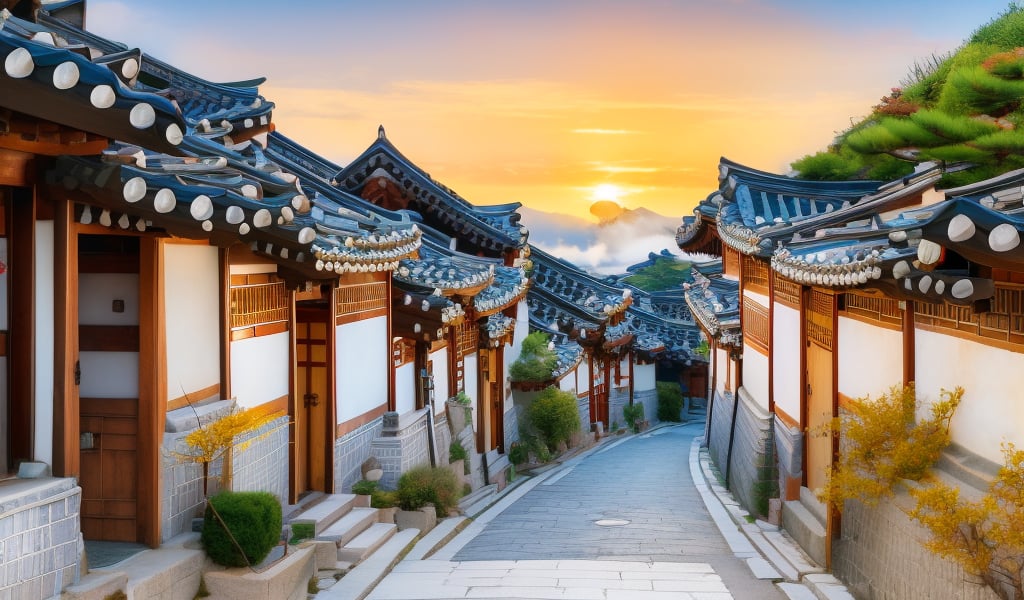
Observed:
{"x":367,"y":542}
{"x":97,"y":585}
{"x":805,"y":529}
{"x":331,"y":508}
{"x":345,"y":529}
{"x":436,"y":538}
{"x":358,"y":582}
{"x":478,"y":500}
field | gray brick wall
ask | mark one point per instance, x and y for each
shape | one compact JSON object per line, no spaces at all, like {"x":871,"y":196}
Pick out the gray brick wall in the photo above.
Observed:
{"x":263,"y":464}
{"x":649,"y":398}
{"x":443,"y":435}
{"x":397,"y":454}
{"x":789,"y":444}
{"x":350,"y":451}
{"x":181,"y":484}
{"x":583,"y":405}
{"x":617,"y":398}
{"x":880,"y":557}
{"x":511,"y":425}
{"x":39,"y":541}
{"x":752,"y":470}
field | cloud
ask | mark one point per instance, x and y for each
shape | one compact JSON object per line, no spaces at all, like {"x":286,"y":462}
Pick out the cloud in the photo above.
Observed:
{"x":606,"y":131}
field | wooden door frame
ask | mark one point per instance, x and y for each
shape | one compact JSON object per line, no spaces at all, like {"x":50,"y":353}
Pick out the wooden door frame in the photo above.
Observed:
{"x":297,"y":410}
{"x":22,"y":357}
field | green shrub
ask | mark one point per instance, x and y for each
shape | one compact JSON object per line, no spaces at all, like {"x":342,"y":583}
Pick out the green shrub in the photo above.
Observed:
{"x":518,"y":454}
{"x":383,"y":499}
{"x":536,"y":361}
{"x":554,"y":416}
{"x":670,"y":401}
{"x":975,"y":90}
{"x":874,"y":139}
{"x":1008,"y":142}
{"x":633,"y":414}
{"x":1006,"y":30}
{"x":254,"y":521}
{"x":456,"y":452}
{"x":885,"y":167}
{"x":827,"y":166}
{"x":302,"y":531}
{"x":956,"y":128}
{"x":364,"y":487}
{"x":425,"y":485}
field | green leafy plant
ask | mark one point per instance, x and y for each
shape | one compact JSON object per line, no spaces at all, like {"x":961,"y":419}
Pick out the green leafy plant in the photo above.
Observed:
{"x":364,"y":487}
{"x":882,"y":444}
{"x":240,"y":528}
{"x":424,"y":485}
{"x":554,"y":416}
{"x":383,"y":498}
{"x":633,"y":414}
{"x":518,"y":454}
{"x":536,"y":362}
{"x":301,"y":531}
{"x":670,"y":401}
{"x":985,"y":537}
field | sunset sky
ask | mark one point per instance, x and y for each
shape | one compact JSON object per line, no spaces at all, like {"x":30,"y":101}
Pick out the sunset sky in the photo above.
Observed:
{"x":557,"y":104}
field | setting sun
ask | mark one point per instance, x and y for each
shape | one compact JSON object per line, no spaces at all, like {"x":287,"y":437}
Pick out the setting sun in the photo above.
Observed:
{"x":607,"y":191}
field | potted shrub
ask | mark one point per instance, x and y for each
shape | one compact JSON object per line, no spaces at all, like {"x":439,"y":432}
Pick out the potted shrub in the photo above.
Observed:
{"x":424,"y":494}
{"x":240,"y":528}
{"x":460,"y":411}
{"x":364,"y":490}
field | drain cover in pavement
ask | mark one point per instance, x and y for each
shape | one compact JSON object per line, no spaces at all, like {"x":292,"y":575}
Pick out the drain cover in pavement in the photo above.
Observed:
{"x":611,"y":522}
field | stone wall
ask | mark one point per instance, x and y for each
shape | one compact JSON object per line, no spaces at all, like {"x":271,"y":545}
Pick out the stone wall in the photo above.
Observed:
{"x":752,"y":474}
{"x":617,"y":398}
{"x":789,"y":448}
{"x":880,"y":557}
{"x":511,"y":425}
{"x":181,"y":483}
{"x":40,"y":529}
{"x":402,"y":445}
{"x":583,"y":405}
{"x":443,"y":437}
{"x":350,"y":451}
{"x":649,"y":398}
{"x":260,"y":460}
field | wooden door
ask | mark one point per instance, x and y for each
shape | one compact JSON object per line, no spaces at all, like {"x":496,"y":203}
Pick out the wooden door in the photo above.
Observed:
{"x":107,"y":375}
{"x":820,"y":392}
{"x":599,"y":393}
{"x":312,"y":366}
{"x":109,"y":469}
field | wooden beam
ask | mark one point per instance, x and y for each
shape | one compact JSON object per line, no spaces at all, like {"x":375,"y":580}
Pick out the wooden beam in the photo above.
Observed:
{"x":16,"y":168}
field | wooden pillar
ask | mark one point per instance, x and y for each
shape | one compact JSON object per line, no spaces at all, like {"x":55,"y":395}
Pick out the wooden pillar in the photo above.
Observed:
{"x":225,"y":322}
{"x":152,"y":386}
{"x":22,"y":358}
{"x":65,"y":343}
{"x":909,"y":344}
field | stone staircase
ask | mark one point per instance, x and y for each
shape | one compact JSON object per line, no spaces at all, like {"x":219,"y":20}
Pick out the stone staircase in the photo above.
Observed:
{"x":354,"y":532}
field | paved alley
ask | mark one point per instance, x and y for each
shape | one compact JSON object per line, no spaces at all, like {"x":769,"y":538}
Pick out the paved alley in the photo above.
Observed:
{"x":623,"y":521}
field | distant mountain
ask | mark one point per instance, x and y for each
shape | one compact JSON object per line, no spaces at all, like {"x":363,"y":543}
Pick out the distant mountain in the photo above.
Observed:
{"x":622,"y":238}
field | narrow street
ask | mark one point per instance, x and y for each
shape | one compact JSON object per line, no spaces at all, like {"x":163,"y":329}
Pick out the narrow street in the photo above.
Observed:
{"x":624,"y":521}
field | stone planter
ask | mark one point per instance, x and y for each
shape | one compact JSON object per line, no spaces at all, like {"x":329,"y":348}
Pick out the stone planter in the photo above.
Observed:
{"x":362,"y":500}
{"x":459,"y":468}
{"x":386,"y":515}
{"x":458,"y":416}
{"x":287,"y":579}
{"x":423,"y":519}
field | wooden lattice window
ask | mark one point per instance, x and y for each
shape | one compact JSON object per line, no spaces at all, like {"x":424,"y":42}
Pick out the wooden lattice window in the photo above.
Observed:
{"x":819,"y":315}
{"x":755,"y":325}
{"x":357,"y":298}
{"x":1004,"y":321}
{"x":258,"y":300}
{"x":755,"y":274}
{"x":403,"y":351}
{"x":467,"y":338}
{"x":874,"y":308}
{"x":787,"y":292}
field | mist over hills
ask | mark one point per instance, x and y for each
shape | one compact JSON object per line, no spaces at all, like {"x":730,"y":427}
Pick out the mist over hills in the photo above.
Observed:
{"x":620,"y":239}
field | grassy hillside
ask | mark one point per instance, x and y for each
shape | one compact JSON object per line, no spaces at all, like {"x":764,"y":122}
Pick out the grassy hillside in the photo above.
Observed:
{"x":964,"y":109}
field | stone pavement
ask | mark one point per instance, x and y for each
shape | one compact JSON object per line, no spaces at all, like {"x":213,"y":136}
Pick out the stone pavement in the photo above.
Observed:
{"x":622,"y":521}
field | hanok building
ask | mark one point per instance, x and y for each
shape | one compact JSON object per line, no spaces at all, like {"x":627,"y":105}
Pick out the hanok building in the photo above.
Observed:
{"x":167,"y":257}
{"x":844,"y":290}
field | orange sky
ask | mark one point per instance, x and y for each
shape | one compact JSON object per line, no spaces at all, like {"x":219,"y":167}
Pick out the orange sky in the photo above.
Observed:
{"x":542,"y":102}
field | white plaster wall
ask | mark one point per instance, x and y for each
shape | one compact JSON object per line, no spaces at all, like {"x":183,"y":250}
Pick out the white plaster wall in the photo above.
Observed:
{"x":991,"y":411}
{"x":362,"y":366}
{"x":405,"y":388}
{"x":259,"y":368}
{"x":43,"y":407}
{"x":109,"y":375}
{"x":522,"y":330}
{"x":759,"y":298}
{"x":439,"y":358}
{"x":786,"y":365}
{"x":583,"y":376}
{"x":191,"y":308}
{"x":870,"y":358}
{"x":97,"y":292}
{"x":644,"y":378}
{"x":755,"y":375}
{"x":722,"y":364}
{"x":568,"y":383}
{"x":470,"y":365}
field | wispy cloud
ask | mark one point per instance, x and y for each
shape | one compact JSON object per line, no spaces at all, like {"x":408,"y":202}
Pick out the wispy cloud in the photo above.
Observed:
{"x":606,"y":131}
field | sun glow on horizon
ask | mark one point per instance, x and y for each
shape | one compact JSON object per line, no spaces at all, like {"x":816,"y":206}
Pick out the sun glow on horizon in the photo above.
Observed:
{"x":607,"y":191}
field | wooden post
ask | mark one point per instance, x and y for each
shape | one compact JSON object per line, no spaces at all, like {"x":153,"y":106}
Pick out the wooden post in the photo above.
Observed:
{"x":152,"y":386}
{"x":65,"y":348}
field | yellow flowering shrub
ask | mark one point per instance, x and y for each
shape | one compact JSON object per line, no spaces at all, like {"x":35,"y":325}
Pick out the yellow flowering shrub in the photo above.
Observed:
{"x":882,"y":442}
{"x":985,"y":537}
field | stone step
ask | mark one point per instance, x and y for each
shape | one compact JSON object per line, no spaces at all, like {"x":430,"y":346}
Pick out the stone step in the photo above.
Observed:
{"x":805,"y":529}
{"x":97,"y":585}
{"x":367,"y":542}
{"x":331,"y":508}
{"x":476,"y":501}
{"x":358,"y":582}
{"x":345,"y":529}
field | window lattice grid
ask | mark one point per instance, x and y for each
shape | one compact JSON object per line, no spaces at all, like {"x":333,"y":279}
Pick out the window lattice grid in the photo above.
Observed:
{"x":258,"y":304}
{"x":466,"y":339}
{"x":755,"y":272}
{"x":883,"y":310}
{"x":755,"y":323}
{"x":1004,"y":321}
{"x":787,"y":291}
{"x":819,"y":319}
{"x":361,"y":297}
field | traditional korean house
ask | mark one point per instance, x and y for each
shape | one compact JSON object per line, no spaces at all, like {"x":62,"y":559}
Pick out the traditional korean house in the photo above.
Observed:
{"x":471,"y":272}
{"x":846,"y":289}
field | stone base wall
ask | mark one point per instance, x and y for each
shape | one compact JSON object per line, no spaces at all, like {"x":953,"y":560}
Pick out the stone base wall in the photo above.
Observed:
{"x":789,"y":448}
{"x":583,"y":405}
{"x":350,"y":451}
{"x":511,"y":425}
{"x":880,"y":557}
{"x":443,"y":437}
{"x":40,"y":539}
{"x":402,"y":449}
{"x":617,"y":398}
{"x":262,"y":466}
{"x":649,"y":398}
{"x":181,"y":495}
{"x":752,"y":473}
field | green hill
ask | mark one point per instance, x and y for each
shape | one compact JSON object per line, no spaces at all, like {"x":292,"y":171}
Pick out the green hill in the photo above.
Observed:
{"x":963,"y":109}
